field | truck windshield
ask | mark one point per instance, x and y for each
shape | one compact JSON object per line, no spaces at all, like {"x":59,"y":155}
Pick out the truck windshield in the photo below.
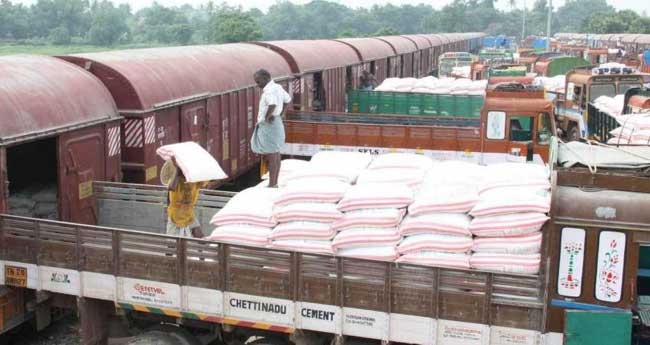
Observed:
{"x":598,"y":90}
{"x":623,"y":87}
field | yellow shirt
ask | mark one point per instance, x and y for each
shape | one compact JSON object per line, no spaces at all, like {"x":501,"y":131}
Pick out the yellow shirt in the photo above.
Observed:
{"x":181,"y":202}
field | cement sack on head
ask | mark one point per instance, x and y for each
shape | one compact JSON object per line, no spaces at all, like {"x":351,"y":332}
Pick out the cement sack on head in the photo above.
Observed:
{"x":287,"y":167}
{"x":410,"y":177}
{"x":438,"y":223}
{"x":437,"y":259}
{"x":314,"y":212}
{"x":250,"y":206}
{"x":311,"y":190}
{"x":436,"y":243}
{"x":380,"y":253}
{"x":196,"y":163}
{"x":303,"y":230}
{"x":522,"y":244}
{"x":508,"y":225}
{"x":450,"y":198}
{"x":366,"y":237}
{"x":509,"y":263}
{"x":379,"y":218}
{"x":306,"y":246}
{"x":401,"y":161}
{"x":376,"y":195}
{"x":241,"y":234}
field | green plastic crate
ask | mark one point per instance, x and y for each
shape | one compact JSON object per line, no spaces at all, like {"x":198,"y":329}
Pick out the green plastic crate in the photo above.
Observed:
{"x":374,"y":102}
{"x":387,"y":105}
{"x":401,"y":103}
{"x":415,"y":104}
{"x":476,"y":105}
{"x":446,"y":105}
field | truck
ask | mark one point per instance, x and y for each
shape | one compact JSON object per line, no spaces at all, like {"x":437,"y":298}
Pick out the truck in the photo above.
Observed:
{"x":637,"y":100}
{"x":583,"y":86}
{"x":198,"y":291}
{"x":449,"y":60}
{"x":514,"y":122}
{"x":558,"y":65}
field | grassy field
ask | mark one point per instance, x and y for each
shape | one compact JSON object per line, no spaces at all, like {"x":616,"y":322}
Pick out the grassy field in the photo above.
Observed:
{"x":11,"y":49}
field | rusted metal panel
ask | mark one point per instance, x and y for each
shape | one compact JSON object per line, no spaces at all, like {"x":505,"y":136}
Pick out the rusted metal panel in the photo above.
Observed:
{"x":43,"y":96}
{"x":4,"y":188}
{"x":307,"y":56}
{"x":193,"y":122}
{"x":401,"y":45}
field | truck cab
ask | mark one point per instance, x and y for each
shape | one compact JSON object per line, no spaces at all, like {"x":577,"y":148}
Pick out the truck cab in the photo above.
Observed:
{"x":583,"y":86}
{"x":447,"y":62}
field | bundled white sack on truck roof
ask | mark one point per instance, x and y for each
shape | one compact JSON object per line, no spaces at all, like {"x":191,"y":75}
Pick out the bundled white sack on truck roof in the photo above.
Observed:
{"x":435,"y":242}
{"x":509,"y":263}
{"x":194,"y":161}
{"x":522,"y":244}
{"x":437,"y":259}
{"x":251,"y":206}
{"x":437,"y":223}
{"x":376,"y":195}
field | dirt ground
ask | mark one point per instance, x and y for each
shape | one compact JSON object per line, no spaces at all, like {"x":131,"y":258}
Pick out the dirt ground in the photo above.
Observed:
{"x":61,"y":332}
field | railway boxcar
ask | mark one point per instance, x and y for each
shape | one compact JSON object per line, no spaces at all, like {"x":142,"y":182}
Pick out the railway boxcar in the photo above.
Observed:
{"x":403,"y":61}
{"x":204,"y":94}
{"x":374,"y":54}
{"x":60,"y":132}
{"x":322,"y":70}
{"x":421,"y":56}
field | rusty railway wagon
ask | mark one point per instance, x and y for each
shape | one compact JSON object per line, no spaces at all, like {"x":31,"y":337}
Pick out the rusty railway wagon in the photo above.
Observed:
{"x":231,"y":292}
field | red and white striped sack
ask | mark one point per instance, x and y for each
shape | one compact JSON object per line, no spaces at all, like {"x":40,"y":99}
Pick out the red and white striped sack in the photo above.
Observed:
{"x":398,"y":160}
{"x":381,"y":253}
{"x":512,"y":200}
{"x":435,"y":243}
{"x":378,"y":217}
{"x":366,"y":237}
{"x":310,"y":172}
{"x":194,"y":161}
{"x":508,"y":225}
{"x":306,"y":246}
{"x":509,"y":263}
{"x":639,"y":121}
{"x":523,"y":244}
{"x":437,"y":223}
{"x":241,"y":234}
{"x":251,"y":206}
{"x":351,"y":160}
{"x":411,"y":177}
{"x":318,"y":190}
{"x":303,"y":230}
{"x":454,"y":173}
{"x":376,"y":195}
{"x":532,"y":184}
{"x":437,"y":259}
{"x":516,"y":171}
{"x":444,"y":198}
{"x":315,"y":212}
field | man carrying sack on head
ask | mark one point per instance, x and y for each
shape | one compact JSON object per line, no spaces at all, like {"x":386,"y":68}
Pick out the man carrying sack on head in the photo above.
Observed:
{"x":187,"y":169}
{"x":268,"y":136}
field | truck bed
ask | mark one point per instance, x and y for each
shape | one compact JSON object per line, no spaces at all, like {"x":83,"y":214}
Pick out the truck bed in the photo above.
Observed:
{"x":145,"y":270}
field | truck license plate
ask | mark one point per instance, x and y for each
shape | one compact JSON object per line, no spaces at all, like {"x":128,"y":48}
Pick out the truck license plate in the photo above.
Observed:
{"x":15,"y":276}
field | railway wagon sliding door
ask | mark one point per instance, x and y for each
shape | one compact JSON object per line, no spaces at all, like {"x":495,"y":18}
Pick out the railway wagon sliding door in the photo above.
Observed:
{"x":81,"y":161}
{"x":215,"y":138}
{"x":193,"y":123}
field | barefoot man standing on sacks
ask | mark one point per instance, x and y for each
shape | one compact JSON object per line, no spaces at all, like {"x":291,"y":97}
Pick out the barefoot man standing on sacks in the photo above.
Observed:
{"x":268,"y":136}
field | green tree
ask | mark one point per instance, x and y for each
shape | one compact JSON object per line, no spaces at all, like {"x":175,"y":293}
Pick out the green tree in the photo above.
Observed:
{"x":386,"y":31}
{"x":231,"y":24}
{"x":14,"y":21}
{"x":162,"y":24}
{"x":640,"y":25}
{"x":574,"y":14}
{"x":108,"y":24}
{"x":60,"y":36}
{"x":50,"y":17}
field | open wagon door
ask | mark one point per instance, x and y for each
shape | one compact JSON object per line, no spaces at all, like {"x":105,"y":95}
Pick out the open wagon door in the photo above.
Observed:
{"x":597,"y":327}
{"x":81,"y":161}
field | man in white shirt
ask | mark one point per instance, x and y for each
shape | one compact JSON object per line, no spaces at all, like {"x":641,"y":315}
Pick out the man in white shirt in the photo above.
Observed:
{"x":268,"y":136}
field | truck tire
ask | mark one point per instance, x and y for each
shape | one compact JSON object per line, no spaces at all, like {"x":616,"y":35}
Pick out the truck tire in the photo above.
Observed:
{"x":179,"y":333}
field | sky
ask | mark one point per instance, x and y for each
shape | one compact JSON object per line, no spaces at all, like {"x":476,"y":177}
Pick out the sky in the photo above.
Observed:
{"x":636,"y":5}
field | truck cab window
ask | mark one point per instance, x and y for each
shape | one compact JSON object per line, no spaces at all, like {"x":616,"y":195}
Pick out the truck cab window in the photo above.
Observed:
{"x":521,"y":128}
{"x":598,"y":90}
{"x":544,"y":129}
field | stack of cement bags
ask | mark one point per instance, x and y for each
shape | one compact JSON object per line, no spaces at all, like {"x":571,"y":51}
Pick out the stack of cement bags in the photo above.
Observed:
{"x":513,"y":202}
{"x":634,"y":130}
{"x":610,"y":105}
{"x":36,"y":202}
{"x":433,"y":85}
